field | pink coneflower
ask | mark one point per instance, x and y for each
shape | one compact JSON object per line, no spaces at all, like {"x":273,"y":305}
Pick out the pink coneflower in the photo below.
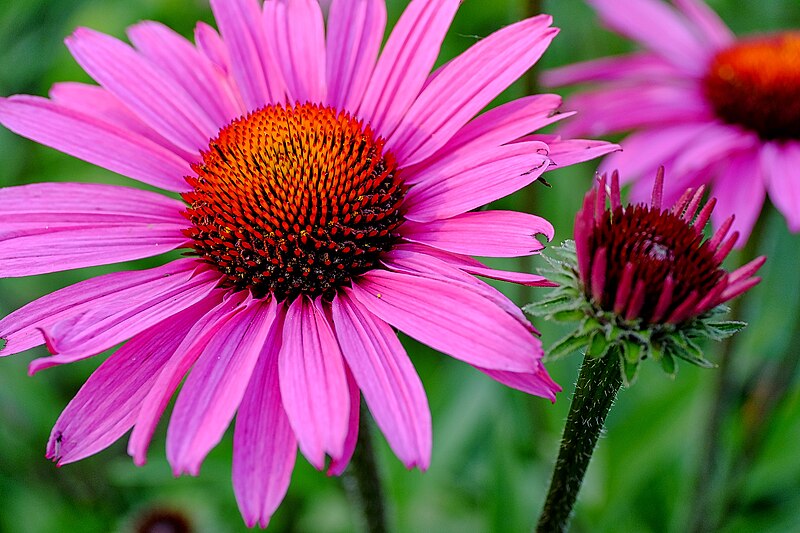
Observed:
{"x":640,"y":282}
{"x":327,"y":195}
{"x":710,"y":107}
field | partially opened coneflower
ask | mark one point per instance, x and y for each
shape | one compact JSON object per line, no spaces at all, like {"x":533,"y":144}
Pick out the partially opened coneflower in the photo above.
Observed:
{"x":327,"y":195}
{"x":640,"y":282}
{"x":712,"y":108}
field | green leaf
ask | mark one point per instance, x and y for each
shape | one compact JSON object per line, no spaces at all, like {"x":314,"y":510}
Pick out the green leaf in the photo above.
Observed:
{"x":566,"y":346}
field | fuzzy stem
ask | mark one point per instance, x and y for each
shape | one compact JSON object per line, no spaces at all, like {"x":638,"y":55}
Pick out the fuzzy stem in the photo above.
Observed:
{"x":364,"y":483}
{"x":597,"y":387}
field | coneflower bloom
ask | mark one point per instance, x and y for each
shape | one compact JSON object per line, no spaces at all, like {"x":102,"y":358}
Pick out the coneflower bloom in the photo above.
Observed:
{"x":640,"y":282}
{"x":327,"y":191}
{"x":645,"y":279}
{"x":710,"y":107}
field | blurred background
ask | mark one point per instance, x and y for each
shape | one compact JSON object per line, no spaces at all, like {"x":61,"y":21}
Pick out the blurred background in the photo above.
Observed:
{"x":682,"y":455}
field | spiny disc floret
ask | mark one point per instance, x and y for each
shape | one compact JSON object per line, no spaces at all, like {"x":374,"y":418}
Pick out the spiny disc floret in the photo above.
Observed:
{"x":294,"y":200}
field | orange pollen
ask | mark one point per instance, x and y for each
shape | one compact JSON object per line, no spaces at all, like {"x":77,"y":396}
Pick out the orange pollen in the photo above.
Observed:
{"x":294,"y":200}
{"x":756,"y":84}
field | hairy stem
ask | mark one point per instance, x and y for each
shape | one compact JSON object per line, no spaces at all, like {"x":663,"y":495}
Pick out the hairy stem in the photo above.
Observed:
{"x":597,"y":387}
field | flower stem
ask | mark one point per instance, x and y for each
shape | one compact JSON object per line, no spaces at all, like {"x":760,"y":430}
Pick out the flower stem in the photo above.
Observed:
{"x":597,"y":387}
{"x":365,"y":482}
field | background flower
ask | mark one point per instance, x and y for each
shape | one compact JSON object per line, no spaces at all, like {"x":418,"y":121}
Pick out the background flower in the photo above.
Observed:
{"x":710,"y":106}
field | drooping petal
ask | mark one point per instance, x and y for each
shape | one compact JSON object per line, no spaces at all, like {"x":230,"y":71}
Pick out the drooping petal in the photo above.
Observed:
{"x":481,"y":74}
{"x":264,"y":446}
{"x":484,"y":233}
{"x":781,"y":162}
{"x":710,"y":25}
{"x":50,"y":227}
{"x":313,"y":383}
{"x":391,"y":386}
{"x":101,"y":143}
{"x":739,"y":190}
{"x":637,"y":66}
{"x":608,"y":109}
{"x":297,"y":33}
{"x":406,"y":259}
{"x":22,"y":329}
{"x":88,"y":333}
{"x":338,"y":465}
{"x":216,"y":385}
{"x":108,"y":403}
{"x":253,"y":63}
{"x":538,"y":383}
{"x":99,"y":104}
{"x":451,"y":318}
{"x":190,"y":69}
{"x":474,"y":181}
{"x":144,"y":88}
{"x":567,"y":152}
{"x":167,"y":381}
{"x":674,"y":39}
{"x":406,"y":62}
{"x":355,"y":32}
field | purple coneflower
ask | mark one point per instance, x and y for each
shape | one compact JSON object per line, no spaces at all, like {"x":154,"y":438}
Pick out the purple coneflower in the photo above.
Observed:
{"x":327,"y":197}
{"x":710,"y":107}
{"x":642,"y":282}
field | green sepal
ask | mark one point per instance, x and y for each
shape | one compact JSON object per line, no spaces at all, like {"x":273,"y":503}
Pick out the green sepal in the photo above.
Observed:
{"x":684,"y":348}
{"x":566,"y":346}
{"x":598,"y":345}
{"x":632,"y":351}
{"x":722,"y":330}
{"x":568,"y":315}
{"x":668,"y":365}
{"x":630,"y":371}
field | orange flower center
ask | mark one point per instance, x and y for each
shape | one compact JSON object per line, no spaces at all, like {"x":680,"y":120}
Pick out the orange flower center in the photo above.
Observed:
{"x":294,"y":200}
{"x":756,"y":84}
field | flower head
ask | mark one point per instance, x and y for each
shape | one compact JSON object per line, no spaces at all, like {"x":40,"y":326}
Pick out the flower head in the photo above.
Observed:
{"x":713,"y":109}
{"x":644,"y":280}
{"x":327,"y":194}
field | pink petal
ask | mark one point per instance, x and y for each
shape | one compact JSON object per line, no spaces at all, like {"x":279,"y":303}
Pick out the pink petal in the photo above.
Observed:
{"x":297,"y":33}
{"x":476,"y":180}
{"x":338,"y":465}
{"x":405,"y":62}
{"x":636,"y":66}
{"x":707,"y":22}
{"x":313,"y":382}
{"x":480,"y":74}
{"x":87,"y":333}
{"x":264,"y":447}
{"x":99,"y":104}
{"x":176,"y":368}
{"x":782,"y":166}
{"x":498,"y":126}
{"x":567,"y":152}
{"x":658,"y":27}
{"x":210,"y":44}
{"x":107,"y":405}
{"x":454,"y":318}
{"x":22,"y":329}
{"x":644,"y":151}
{"x":739,"y":190}
{"x":538,"y":383}
{"x":391,"y":386}
{"x":190,"y":69}
{"x":608,"y":109}
{"x":50,"y":227}
{"x":93,"y":140}
{"x":216,"y":385}
{"x":355,"y":33}
{"x":253,"y":63}
{"x":717,"y":143}
{"x":144,"y":88}
{"x":484,"y":233}
{"x":418,"y":262}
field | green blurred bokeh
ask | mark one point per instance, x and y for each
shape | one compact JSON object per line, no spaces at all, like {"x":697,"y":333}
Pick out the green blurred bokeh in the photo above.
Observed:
{"x":493,"y":447}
